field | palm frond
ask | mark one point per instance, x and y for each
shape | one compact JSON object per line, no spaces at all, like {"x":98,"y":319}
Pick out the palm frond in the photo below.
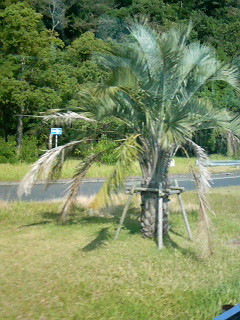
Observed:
{"x":203,"y":185}
{"x":147,"y":52}
{"x":228,"y":74}
{"x":234,"y":126}
{"x":127,"y":153}
{"x":66,"y":118}
{"x":73,"y":188}
{"x":202,"y":115}
{"x":233,"y":143}
{"x":204,"y":174}
{"x":43,"y":168}
{"x":192,"y":57}
{"x":179,"y":35}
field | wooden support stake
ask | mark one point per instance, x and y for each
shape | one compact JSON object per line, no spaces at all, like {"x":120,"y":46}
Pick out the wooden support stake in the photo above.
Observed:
{"x":184,"y":213}
{"x":160,"y":219}
{"x":125,"y":211}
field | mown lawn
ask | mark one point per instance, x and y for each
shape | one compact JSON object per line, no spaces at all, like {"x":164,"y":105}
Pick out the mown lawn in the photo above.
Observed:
{"x":77,"y":271}
{"x":15,"y":172}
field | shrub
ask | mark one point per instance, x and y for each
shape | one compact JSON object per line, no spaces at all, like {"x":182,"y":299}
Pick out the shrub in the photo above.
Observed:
{"x":107,"y":158}
{"x":29,"y":150}
{"x":8,"y":150}
{"x":110,"y":156}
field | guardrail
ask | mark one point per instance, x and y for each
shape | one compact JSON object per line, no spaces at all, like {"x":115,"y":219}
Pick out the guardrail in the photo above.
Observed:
{"x":220,"y":163}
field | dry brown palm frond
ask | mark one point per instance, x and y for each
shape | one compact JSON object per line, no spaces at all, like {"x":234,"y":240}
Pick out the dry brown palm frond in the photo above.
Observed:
{"x":233,"y":144}
{"x":202,"y":183}
{"x":45,"y":166}
{"x":204,"y":175}
{"x":80,"y":173}
{"x":66,"y":117}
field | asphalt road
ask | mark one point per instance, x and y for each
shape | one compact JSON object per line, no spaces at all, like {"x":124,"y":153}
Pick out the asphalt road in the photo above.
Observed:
{"x":57,"y":190}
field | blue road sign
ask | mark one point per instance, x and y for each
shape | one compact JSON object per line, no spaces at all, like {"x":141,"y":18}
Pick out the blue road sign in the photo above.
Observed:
{"x":231,"y":314}
{"x":56,"y":131}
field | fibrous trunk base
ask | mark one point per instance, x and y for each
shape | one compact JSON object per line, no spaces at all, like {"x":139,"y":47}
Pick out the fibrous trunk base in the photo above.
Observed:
{"x":149,"y":214}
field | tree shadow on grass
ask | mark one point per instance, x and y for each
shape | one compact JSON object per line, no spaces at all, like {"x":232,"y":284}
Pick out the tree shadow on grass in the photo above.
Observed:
{"x":48,"y":218}
{"x":102,"y":237}
{"x":170,"y":243}
{"x":131,"y":223}
{"x":179,"y":234}
{"x":35,"y":224}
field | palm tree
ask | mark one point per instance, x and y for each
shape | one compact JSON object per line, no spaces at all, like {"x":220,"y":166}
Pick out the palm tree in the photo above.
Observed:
{"x":153,"y":87}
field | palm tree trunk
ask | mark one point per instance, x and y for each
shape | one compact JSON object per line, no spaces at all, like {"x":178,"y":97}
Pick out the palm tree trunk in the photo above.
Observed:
{"x":149,"y":212}
{"x":149,"y":200}
{"x":19,"y":134}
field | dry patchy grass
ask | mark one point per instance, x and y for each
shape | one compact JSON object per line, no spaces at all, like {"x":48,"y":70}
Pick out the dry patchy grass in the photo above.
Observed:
{"x":77,"y":271}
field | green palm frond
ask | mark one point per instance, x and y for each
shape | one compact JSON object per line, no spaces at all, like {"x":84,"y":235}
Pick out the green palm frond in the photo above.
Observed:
{"x":147,"y":52}
{"x":228,"y":74}
{"x":202,"y":115}
{"x":128,"y":153}
{"x":192,"y":57}
{"x":234,"y":126}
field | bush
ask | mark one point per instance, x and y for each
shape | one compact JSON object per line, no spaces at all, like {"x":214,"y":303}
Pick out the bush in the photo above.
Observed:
{"x":8,"y":150}
{"x":29,"y":151}
{"x":109,"y":157}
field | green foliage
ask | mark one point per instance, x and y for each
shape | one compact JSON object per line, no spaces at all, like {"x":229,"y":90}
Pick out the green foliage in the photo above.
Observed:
{"x":154,"y":9}
{"x":37,"y":73}
{"x":221,"y":33}
{"x":22,"y":32}
{"x":25,"y":45}
{"x":127,"y":154}
{"x":109,"y":157}
{"x":106,"y":147}
{"x":29,"y":151}
{"x":153,"y":82}
{"x":83,"y":47}
{"x":8,"y":150}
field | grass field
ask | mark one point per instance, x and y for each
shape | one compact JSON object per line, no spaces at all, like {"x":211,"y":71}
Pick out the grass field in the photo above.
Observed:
{"x":15,"y":172}
{"x":77,"y":271}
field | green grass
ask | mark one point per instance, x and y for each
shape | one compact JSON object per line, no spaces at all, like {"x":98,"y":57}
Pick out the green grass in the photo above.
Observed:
{"x":77,"y":271}
{"x":15,"y":172}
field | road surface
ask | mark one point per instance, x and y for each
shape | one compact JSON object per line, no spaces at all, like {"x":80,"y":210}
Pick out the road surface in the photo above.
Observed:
{"x":57,"y":190}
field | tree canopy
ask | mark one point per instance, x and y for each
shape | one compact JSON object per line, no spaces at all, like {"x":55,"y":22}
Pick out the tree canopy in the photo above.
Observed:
{"x":47,"y":47}
{"x":153,"y":85}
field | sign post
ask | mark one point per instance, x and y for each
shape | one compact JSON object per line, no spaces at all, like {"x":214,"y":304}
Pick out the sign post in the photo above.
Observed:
{"x":57,"y":132}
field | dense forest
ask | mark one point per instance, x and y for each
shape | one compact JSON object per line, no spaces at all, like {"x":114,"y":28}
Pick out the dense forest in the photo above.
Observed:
{"x":47,"y":57}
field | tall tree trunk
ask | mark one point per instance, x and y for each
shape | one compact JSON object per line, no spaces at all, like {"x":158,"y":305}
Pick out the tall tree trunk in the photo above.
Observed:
{"x":19,"y":134}
{"x":149,"y":205}
{"x":5,"y":127}
{"x":20,"y":118}
{"x":50,"y":141}
{"x":230,"y":145}
{"x":149,"y":212}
